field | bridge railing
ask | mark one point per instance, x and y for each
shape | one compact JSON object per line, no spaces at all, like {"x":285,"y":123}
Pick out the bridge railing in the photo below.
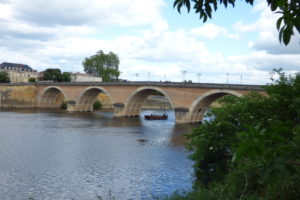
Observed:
{"x":147,"y":83}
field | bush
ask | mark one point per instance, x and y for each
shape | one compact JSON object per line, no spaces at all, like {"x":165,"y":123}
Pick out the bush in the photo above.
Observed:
{"x":4,"y":78}
{"x":32,"y":80}
{"x":250,"y":150}
{"x":97,"y":105}
{"x":64,"y":106}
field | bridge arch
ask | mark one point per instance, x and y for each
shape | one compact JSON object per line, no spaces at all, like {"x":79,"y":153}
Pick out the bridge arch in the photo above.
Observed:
{"x":200,"y":105}
{"x":52,"y":97}
{"x":87,"y":97}
{"x":136,"y":99}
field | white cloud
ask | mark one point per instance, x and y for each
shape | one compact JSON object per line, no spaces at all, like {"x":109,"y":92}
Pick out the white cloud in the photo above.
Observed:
{"x":268,"y":39}
{"x":79,"y":12}
{"x":212,"y":31}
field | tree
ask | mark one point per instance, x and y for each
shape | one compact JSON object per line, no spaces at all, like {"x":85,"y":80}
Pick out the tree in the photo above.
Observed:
{"x":4,"y":78}
{"x":66,"y":77}
{"x":32,"y":80}
{"x":289,"y":10}
{"x":56,"y":75}
{"x":250,"y":149}
{"x":105,"y":65}
{"x":52,"y":74}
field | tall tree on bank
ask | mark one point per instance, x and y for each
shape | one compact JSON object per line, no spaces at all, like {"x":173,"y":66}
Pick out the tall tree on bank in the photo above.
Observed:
{"x":289,"y":10}
{"x":105,"y":65}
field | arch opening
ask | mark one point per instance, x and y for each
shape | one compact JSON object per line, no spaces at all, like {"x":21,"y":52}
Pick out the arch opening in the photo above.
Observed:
{"x":52,"y":97}
{"x":147,"y":98}
{"x":89,"y":96}
{"x":201,"y":105}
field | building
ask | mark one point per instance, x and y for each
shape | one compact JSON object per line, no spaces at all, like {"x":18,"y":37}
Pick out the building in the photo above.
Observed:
{"x":18,"y":73}
{"x":82,"y":77}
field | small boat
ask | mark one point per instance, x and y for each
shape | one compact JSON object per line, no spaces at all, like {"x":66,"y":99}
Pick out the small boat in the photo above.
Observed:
{"x":156,"y":117}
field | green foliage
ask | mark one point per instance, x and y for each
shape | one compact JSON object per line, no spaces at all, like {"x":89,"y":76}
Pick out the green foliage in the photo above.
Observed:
{"x":227,"y":99}
{"x":105,"y":65}
{"x":52,"y":74}
{"x":64,"y":106}
{"x":97,"y":105}
{"x":289,"y":10}
{"x":250,"y":150}
{"x":32,"y":80}
{"x":66,"y":77}
{"x":157,"y":93}
{"x":4,"y":77}
{"x":56,"y":75}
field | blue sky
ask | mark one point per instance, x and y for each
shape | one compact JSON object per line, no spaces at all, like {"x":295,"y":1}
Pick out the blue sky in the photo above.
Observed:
{"x":149,"y":36}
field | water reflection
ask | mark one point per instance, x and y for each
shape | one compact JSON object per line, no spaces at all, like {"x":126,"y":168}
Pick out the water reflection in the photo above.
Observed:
{"x":61,"y":155}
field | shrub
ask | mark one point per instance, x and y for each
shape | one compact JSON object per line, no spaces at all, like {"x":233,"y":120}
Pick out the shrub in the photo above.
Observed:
{"x":97,"y":105}
{"x":32,"y":80}
{"x":250,"y":150}
{"x":64,"y":106}
{"x":4,"y":78}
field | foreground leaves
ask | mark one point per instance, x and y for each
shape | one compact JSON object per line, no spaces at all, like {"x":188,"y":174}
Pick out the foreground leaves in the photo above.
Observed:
{"x":286,"y":24}
{"x":250,"y":149}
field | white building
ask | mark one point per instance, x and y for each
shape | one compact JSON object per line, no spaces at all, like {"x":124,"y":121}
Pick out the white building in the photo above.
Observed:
{"x":82,"y":77}
{"x":18,"y":73}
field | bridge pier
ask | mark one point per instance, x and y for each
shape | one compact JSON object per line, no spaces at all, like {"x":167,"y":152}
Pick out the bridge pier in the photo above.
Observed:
{"x":71,"y":106}
{"x":119,"y":110}
{"x":182,"y":115}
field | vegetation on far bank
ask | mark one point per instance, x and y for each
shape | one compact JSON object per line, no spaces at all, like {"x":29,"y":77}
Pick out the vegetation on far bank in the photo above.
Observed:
{"x":97,"y":105}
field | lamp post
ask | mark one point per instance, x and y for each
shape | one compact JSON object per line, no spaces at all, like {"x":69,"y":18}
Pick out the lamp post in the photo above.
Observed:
{"x":227,"y":77}
{"x":198,"y":75}
{"x":183,"y":75}
{"x":241,"y":79}
{"x":148,"y":76}
{"x":136,"y":76}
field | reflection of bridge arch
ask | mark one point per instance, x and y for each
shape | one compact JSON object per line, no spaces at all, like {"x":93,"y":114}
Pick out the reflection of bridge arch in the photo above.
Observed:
{"x":88,"y":96}
{"x":52,"y":97}
{"x":200,"y":105}
{"x":136,"y":99}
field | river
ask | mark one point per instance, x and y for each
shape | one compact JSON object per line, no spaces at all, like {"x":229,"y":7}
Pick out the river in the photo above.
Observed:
{"x":57,"y":155}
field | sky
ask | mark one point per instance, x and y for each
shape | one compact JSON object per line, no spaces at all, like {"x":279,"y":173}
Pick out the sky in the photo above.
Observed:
{"x":153,"y":41}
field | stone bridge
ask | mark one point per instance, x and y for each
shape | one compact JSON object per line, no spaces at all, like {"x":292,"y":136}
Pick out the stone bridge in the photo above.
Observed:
{"x":189,"y":100}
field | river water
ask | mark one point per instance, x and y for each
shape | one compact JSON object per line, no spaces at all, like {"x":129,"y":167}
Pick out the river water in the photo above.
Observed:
{"x":84,"y":156}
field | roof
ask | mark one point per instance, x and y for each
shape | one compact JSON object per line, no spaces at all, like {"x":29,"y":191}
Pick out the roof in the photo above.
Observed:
{"x":15,"y":65}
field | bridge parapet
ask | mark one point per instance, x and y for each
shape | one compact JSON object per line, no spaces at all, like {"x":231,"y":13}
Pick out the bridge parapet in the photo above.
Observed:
{"x":148,"y":83}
